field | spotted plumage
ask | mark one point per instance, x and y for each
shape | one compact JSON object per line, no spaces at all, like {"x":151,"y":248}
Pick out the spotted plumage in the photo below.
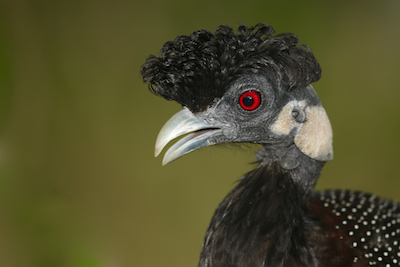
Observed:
{"x":366,"y":223}
{"x":255,"y":87}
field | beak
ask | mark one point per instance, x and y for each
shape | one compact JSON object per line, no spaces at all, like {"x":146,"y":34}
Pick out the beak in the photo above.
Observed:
{"x":184,"y":122}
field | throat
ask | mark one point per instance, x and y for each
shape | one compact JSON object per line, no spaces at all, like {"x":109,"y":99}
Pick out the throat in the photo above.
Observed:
{"x":264,"y":220}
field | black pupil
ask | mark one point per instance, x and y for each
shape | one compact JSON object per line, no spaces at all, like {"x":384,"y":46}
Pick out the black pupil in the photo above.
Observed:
{"x":248,"y":101}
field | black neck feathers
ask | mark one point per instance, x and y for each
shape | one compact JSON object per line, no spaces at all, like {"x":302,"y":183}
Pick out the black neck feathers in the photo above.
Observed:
{"x":264,"y":220}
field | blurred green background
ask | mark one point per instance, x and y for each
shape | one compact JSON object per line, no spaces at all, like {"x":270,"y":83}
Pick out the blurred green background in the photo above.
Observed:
{"x":79,"y":185}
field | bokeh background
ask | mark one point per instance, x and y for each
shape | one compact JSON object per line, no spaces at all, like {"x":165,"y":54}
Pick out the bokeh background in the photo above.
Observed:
{"x":79,"y":185}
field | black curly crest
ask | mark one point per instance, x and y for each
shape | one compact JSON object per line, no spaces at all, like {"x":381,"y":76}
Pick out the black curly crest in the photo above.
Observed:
{"x":195,"y":70}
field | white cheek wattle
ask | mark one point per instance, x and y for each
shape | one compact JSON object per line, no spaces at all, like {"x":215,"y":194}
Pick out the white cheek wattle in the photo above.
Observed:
{"x":314,"y":136}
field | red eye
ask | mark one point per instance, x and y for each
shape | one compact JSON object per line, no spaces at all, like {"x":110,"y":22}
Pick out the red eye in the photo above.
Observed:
{"x":250,"y":100}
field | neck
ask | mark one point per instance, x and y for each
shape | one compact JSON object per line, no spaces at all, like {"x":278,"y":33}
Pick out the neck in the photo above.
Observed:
{"x":264,"y":220}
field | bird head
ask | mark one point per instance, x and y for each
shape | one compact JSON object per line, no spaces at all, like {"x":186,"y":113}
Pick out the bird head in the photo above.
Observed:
{"x":248,"y":87}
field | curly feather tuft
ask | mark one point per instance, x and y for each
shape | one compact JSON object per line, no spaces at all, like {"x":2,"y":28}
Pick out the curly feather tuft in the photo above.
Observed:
{"x":196,"y":70}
